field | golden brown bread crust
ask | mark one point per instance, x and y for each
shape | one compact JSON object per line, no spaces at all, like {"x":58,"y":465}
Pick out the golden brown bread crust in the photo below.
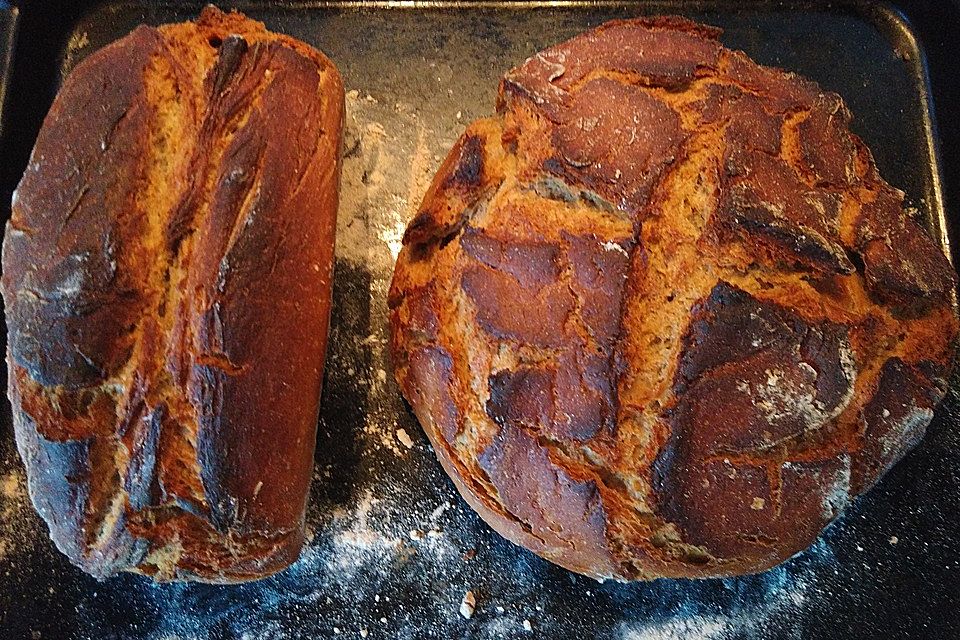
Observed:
{"x":660,"y":316}
{"x":167,"y":278}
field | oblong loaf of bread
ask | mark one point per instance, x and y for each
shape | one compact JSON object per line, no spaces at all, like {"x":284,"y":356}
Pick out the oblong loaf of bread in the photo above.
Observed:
{"x":661,"y":316}
{"x":167,"y":279}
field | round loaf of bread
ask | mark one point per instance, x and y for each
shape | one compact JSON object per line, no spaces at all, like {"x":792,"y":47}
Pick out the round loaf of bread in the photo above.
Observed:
{"x":660,"y":316}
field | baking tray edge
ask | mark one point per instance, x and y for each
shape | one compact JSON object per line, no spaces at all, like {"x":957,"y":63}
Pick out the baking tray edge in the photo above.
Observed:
{"x":8,"y":34}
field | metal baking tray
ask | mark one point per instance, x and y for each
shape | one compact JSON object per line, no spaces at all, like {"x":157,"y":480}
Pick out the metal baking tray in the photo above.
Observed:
{"x":393,"y":547}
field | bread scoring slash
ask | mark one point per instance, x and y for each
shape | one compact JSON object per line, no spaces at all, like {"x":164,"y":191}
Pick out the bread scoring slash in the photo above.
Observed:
{"x":167,"y":277}
{"x":660,"y":316}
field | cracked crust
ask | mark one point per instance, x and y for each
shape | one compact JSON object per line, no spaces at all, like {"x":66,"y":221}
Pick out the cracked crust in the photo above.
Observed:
{"x":167,"y":277}
{"x":660,"y":316}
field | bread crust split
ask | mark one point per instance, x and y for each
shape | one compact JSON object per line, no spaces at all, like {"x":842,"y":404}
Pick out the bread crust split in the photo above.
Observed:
{"x":660,"y":316}
{"x":167,"y":278}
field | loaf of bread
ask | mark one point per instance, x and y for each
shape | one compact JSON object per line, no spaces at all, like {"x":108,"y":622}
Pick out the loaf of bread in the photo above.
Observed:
{"x":167,"y":279}
{"x":660,"y":316}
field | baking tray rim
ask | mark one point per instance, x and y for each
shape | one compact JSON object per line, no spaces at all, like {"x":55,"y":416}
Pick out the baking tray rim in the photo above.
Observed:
{"x":931,"y":139}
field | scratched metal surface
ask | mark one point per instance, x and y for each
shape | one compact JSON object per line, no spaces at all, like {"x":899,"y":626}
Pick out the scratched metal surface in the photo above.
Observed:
{"x":394,"y":548}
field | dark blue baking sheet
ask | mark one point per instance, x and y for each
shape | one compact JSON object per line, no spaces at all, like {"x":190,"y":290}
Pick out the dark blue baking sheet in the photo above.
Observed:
{"x":394,"y":548}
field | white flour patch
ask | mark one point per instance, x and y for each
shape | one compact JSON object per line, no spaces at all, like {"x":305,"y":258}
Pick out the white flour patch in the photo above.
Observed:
{"x":775,"y":595}
{"x":614,"y":246}
{"x":697,"y":628}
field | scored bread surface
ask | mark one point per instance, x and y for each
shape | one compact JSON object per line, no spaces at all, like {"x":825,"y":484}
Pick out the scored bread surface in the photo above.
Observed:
{"x":660,"y":316}
{"x":167,"y":273}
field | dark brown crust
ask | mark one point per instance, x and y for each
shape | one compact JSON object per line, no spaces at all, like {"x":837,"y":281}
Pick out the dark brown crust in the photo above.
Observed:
{"x":896,"y":418}
{"x":660,"y":316}
{"x":67,"y":334}
{"x":167,"y":268}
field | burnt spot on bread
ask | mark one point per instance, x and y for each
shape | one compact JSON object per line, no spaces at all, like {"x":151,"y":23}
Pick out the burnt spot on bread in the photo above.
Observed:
{"x":519,"y":296}
{"x":895,"y":419}
{"x":715,"y":502}
{"x":230,"y":54}
{"x":748,"y":126}
{"x":767,"y":402}
{"x":62,"y":414}
{"x":754,"y":516}
{"x":731,"y":325}
{"x":811,"y":494}
{"x":584,"y":396}
{"x":533,"y":264}
{"x":68,"y":480}
{"x":143,"y":440}
{"x":778,"y":378}
{"x":421,"y":303}
{"x":826,"y":349}
{"x":787,"y":369}
{"x":522,"y":397}
{"x":599,"y":275}
{"x":73,"y":287}
{"x":747,"y":123}
{"x":783,"y":92}
{"x":764,"y":197}
{"x":454,"y":196}
{"x":468,"y":168}
{"x":766,"y":201}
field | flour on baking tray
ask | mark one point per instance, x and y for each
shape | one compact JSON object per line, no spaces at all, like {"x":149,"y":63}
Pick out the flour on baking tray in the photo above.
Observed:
{"x":17,"y":524}
{"x":783,"y":590}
